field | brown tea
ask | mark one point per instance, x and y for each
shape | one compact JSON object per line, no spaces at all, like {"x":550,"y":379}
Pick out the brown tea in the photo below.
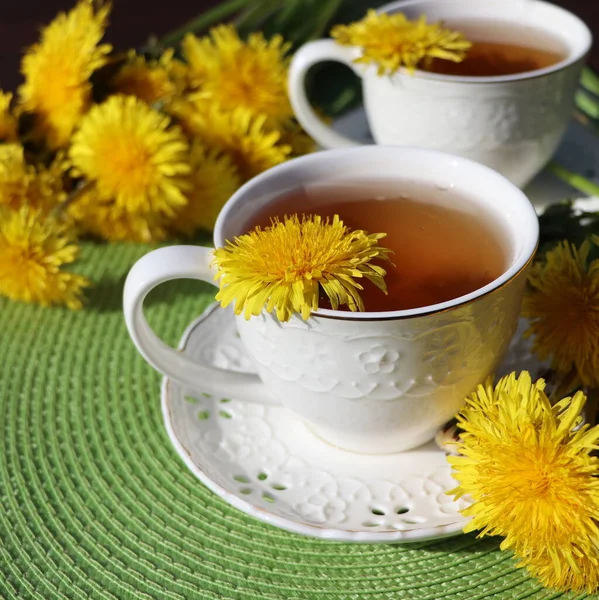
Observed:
{"x":501,"y":49}
{"x":444,"y":245}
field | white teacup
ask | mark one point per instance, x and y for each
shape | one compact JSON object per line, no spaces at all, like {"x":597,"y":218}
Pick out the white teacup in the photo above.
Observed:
{"x":512,"y":124}
{"x":366,"y":382}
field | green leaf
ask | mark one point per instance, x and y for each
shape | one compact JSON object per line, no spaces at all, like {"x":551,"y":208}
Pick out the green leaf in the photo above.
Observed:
{"x":590,"y":80}
{"x":323,"y":22}
{"x":587,"y":104}
{"x":253,"y":18}
{"x":577,"y":181}
{"x":204,"y":21}
{"x":562,"y":222}
{"x":290,"y":12}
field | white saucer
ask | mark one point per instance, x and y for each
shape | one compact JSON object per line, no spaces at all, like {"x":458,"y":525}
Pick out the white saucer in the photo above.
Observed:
{"x":265,"y":462}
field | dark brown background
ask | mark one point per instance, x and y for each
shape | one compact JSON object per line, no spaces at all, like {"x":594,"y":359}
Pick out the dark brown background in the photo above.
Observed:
{"x":133,"y":20}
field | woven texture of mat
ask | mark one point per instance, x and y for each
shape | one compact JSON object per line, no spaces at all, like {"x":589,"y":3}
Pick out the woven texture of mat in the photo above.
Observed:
{"x":96,"y":504}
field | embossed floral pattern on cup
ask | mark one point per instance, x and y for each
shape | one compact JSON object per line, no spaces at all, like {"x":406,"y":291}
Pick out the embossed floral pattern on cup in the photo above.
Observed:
{"x":379,"y":360}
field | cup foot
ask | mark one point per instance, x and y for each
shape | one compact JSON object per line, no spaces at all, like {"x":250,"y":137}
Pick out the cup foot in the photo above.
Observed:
{"x":379,"y":446}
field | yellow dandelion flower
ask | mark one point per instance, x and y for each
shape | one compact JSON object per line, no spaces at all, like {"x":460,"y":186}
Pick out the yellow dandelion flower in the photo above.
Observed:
{"x":23,"y":184}
{"x":16,"y":176}
{"x":135,"y":157}
{"x":57,"y":71}
{"x":8,"y":123}
{"x":149,"y":81}
{"x":232,"y":73}
{"x":33,"y":249}
{"x":391,"y":41}
{"x":284,"y":267}
{"x":103,"y":219}
{"x":214,"y":180}
{"x":562,"y":303}
{"x":244,"y":138}
{"x":48,"y":188}
{"x":194,"y":51}
{"x":179,"y":74}
{"x":188,"y":113}
{"x":529,"y":469}
{"x":300,"y":142}
{"x":582,"y":576}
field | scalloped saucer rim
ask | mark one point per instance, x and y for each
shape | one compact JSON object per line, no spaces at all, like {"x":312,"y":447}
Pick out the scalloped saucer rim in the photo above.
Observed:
{"x":306,"y":529}
{"x":415,"y":534}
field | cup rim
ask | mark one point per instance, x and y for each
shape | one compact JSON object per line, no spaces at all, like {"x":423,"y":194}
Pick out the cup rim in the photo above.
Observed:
{"x":572,"y":58}
{"x":519,"y":265}
{"x":433,"y":309}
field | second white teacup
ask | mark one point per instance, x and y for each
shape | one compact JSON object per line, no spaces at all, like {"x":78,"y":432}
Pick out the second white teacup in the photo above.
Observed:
{"x":372,"y":382}
{"x":511,"y":123}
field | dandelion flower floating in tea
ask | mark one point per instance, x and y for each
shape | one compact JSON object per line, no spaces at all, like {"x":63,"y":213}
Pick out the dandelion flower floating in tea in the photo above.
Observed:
{"x":529,"y":468}
{"x":562,"y":303}
{"x":33,"y":250}
{"x":284,"y":267}
{"x":391,"y":41}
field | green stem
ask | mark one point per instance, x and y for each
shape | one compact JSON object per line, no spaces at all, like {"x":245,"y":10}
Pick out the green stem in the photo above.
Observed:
{"x":582,"y":184}
{"x":203,"y":21}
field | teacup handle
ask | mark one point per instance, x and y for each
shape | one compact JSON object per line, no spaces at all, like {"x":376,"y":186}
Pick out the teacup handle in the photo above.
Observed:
{"x":307,"y":56}
{"x":159,"y":266}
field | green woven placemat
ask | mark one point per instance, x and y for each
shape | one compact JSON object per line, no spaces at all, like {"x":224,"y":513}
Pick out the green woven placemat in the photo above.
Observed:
{"x":96,"y":503}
